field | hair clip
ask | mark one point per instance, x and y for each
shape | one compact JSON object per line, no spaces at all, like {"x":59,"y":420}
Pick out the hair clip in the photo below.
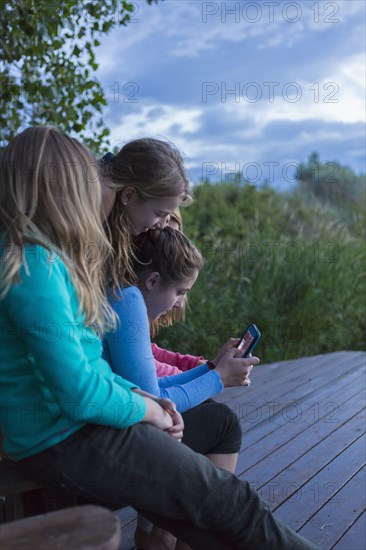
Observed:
{"x":108,"y":157}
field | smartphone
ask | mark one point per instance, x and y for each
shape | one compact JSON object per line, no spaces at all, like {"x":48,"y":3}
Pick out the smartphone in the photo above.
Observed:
{"x":249,"y":340}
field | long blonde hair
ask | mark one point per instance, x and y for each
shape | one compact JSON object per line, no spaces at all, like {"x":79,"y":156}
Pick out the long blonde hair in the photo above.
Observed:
{"x":50,"y":195}
{"x":155,"y":169}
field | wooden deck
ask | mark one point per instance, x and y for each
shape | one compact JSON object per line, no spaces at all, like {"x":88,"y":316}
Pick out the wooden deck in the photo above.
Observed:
{"x":303,"y":446}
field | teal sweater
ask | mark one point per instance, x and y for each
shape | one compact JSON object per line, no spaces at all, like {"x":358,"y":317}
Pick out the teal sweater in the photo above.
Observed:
{"x":53,"y":380}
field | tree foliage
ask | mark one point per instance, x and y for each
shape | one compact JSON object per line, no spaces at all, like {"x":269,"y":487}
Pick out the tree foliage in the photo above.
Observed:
{"x":331,"y":182}
{"x":294,"y":263}
{"x":48,"y":63}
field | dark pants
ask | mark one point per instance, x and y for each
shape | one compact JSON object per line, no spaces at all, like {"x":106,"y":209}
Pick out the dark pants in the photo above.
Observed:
{"x":212,"y":428}
{"x":173,"y":486}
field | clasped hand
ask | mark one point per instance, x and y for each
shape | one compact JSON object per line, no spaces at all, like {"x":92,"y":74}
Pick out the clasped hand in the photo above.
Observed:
{"x":163,"y":414}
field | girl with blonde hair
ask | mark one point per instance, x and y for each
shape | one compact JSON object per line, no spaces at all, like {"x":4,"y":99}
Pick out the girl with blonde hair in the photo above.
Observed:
{"x":52,"y":296}
{"x":142,"y":185}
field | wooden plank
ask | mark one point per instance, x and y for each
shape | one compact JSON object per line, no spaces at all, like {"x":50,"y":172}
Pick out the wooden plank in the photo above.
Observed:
{"x":128,"y":542}
{"x":283,"y":377}
{"x":289,"y":367}
{"x":355,"y":537}
{"x":270,"y":377}
{"x":333,"y":520}
{"x":261,"y":417}
{"x":83,"y":527}
{"x":298,"y":494}
{"x":299,"y":415}
{"x":298,"y":387}
{"x":321,"y":440}
{"x":126,"y":515}
{"x":281,"y":449}
{"x":294,"y":418}
{"x":127,"y":519}
{"x":272,"y":415}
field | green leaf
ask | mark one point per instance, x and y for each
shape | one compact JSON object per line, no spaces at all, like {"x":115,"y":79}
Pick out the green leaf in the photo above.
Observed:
{"x":82,"y":32}
{"x":76,"y":51}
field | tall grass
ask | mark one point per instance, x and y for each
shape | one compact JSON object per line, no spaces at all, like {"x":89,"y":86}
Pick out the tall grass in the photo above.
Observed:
{"x":291,"y":263}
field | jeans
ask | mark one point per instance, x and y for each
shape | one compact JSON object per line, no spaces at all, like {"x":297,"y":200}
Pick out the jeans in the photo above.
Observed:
{"x":170,"y":484}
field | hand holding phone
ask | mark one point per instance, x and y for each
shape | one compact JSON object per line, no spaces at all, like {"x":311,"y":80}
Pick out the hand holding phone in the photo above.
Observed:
{"x":249,"y":340}
{"x":235,"y":371}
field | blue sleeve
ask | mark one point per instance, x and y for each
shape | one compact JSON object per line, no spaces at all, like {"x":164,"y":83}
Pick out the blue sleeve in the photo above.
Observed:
{"x":187,"y":394}
{"x":184,"y":377}
{"x":129,"y":352}
{"x":128,"y":349}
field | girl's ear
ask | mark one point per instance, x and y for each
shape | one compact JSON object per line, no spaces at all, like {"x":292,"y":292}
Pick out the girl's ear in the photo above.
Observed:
{"x":152,"y":281}
{"x":127,"y":193}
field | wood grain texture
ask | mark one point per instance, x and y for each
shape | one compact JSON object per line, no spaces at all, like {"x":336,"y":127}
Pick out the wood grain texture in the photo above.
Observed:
{"x":303,"y":446}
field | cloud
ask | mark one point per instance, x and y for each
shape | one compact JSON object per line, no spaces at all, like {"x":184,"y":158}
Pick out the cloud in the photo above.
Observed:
{"x":319,"y":135}
{"x":264,"y":24}
{"x":170,"y":52}
{"x":192,"y":28}
{"x":338,"y":97}
{"x":154,"y":119}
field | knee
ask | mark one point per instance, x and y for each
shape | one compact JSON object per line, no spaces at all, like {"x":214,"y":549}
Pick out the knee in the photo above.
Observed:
{"x":234,"y":428}
{"x":229,"y":429}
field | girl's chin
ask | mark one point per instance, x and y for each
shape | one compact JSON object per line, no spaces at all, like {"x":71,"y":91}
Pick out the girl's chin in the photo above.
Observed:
{"x":160,"y":315}
{"x":156,"y":318}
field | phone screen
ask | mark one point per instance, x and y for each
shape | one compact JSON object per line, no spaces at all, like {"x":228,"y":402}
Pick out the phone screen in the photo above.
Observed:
{"x":245,"y":343}
{"x":249,"y":340}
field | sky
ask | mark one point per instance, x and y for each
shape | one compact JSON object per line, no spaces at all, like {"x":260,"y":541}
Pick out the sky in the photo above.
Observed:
{"x":250,"y":87}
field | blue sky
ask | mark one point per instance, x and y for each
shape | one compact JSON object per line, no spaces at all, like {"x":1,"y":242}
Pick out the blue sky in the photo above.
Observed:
{"x":249,"y":86}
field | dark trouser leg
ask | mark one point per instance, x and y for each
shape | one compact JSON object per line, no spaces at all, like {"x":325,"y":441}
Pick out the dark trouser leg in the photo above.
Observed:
{"x":212,"y":428}
{"x":174,"y":487}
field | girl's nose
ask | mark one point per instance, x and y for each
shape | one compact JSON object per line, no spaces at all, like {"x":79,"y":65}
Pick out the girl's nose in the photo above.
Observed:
{"x":163,"y":222}
{"x":179,"y":303}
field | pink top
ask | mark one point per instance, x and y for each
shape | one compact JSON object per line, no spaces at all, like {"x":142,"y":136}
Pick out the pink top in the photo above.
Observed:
{"x":168,"y":362}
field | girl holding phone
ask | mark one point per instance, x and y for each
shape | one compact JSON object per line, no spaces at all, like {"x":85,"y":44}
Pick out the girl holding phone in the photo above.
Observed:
{"x":143,"y":184}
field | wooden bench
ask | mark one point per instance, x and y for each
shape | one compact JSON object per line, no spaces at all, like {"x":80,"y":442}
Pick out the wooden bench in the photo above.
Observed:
{"x":22,"y":497}
{"x":81,"y":528}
